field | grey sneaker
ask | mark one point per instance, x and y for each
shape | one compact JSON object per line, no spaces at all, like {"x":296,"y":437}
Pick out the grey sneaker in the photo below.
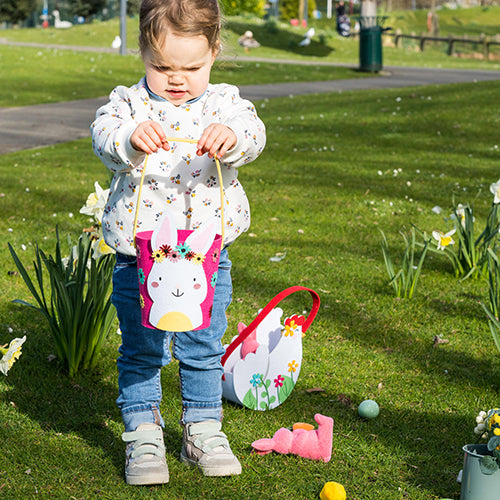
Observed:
{"x":204,"y":445}
{"x":145,"y":456}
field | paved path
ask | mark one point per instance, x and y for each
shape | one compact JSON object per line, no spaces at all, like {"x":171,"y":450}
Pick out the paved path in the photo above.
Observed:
{"x":45,"y":124}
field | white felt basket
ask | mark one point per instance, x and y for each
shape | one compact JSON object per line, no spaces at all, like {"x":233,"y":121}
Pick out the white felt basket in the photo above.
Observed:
{"x":262,"y":363}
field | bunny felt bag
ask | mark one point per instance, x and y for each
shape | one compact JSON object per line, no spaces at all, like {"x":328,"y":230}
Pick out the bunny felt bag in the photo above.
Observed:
{"x":177,"y":270}
{"x":262,"y":363}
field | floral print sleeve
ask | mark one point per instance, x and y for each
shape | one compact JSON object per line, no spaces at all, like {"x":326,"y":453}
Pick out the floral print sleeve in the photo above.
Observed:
{"x":114,"y":123}
{"x":240,"y":116}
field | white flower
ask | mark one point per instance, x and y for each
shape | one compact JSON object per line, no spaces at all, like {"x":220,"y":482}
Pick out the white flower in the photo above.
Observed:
{"x":443,"y":240}
{"x":481,"y":417}
{"x":10,"y":354}
{"x":95,"y":203}
{"x":479,"y":429}
{"x":460,"y":214}
{"x":74,"y":254}
{"x":100,"y":248}
{"x":495,"y":190}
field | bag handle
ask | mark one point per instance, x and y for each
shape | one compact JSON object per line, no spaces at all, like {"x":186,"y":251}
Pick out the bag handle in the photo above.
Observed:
{"x":270,"y":306}
{"x":219,"y":174}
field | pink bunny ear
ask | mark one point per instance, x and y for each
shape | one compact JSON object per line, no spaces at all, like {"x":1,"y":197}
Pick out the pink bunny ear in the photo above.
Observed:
{"x":249,"y":345}
{"x":165,"y":232}
{"x":263,"y":446}
{"x":202,"y":238}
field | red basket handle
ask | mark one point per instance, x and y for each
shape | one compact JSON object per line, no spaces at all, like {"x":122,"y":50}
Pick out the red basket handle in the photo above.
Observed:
{"x":270,"y":306}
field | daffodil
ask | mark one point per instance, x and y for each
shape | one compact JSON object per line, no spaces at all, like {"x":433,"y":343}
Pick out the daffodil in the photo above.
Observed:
{"x":100,"y":248}
{"x":74,"y":255}
{"x":95,"y":203}
{"x":443,"y":240}
{"x":495,"y":190}
{"x":10,"y":354}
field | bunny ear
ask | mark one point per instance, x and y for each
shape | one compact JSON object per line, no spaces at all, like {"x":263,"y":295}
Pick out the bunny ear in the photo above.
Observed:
{"x":165,"y":232}
{"x":263,"y":446}
{"x":202,"y":238}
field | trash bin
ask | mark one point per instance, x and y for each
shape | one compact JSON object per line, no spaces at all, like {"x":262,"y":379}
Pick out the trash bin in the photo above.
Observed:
{"x":370,"y":43}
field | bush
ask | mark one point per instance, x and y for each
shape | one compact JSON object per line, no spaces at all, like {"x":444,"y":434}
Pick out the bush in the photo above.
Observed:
{"x":289,"y":9}
{"x":16,"y":11}
{"x":237,"y":7}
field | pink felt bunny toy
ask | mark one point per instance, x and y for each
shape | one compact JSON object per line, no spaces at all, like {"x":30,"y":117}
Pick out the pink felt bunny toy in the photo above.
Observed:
{"x":315,"y":444}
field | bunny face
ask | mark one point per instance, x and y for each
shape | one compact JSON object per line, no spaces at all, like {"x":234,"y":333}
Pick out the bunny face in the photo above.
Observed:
{"x":177,"y":284}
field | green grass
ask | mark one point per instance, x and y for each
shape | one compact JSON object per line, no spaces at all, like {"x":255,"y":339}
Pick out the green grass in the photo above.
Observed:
{"x":471,"y":21}
{"x":337,"y":168}
{"x":67,"y":75}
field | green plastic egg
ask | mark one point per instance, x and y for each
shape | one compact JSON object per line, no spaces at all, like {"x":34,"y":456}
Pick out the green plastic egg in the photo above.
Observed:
{"x":368,"y":409}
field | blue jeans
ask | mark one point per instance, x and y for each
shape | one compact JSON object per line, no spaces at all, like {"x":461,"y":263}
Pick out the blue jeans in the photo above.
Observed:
{"x":144,"y":351}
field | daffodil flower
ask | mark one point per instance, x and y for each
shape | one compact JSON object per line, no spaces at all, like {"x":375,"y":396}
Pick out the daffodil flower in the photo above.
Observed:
{"x":100,"y":248}
{"x":10,"y":354}
{"x":95,"y":203}
{"x":495,"y":190}
{"x":460,"y":211}
{"x":443,"y":240}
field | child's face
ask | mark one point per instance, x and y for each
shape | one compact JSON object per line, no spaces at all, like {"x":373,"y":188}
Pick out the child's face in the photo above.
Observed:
{"x":183,"y":72}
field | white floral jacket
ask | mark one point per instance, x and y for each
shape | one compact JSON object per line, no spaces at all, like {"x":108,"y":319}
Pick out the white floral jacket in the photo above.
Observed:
{"x":177,"y":180}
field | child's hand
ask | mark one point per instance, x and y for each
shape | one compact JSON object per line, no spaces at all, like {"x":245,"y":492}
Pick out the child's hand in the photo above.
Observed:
{"x":149,"y":137}
{"x":217,"y":139}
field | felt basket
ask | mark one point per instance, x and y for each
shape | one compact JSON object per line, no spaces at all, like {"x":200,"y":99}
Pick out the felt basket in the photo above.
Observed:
{"x":177,"y":269}
{"x":262,"y":363}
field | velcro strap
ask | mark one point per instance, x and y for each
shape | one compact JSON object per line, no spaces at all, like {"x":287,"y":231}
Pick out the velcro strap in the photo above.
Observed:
{"x":210,"y":427}
{"x":145,"y":442}
{"x":135,"y":435}
{"x":208,"y":435}
{"x":212,"y":443}
{"x":143,"y":449}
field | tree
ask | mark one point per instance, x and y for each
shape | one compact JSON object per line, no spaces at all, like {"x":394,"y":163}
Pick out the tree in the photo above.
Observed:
{"x":290,"y":9}
{"x":16,"y":11}
{"x":86,"y":8}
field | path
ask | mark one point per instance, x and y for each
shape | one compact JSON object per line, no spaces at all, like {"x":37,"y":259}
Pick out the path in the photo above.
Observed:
{"x":45,"y":124}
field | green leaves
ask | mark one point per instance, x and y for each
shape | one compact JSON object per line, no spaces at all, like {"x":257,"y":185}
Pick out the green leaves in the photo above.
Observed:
{"x":404,"y":281}
{"x":472,"y":254}
{"x":286,"y":389}
{"x":78,"y":307}
{"x":488,"y":465}
{"x":493,"y":308}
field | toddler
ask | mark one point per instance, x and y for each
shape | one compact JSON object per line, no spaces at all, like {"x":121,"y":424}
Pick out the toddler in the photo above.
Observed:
{"x":179,"y":41}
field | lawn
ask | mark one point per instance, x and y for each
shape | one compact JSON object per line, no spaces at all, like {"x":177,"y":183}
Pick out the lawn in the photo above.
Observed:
{"x":70,"y":75}
{"x":338,"y":168}
{"x":279,"y":41}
